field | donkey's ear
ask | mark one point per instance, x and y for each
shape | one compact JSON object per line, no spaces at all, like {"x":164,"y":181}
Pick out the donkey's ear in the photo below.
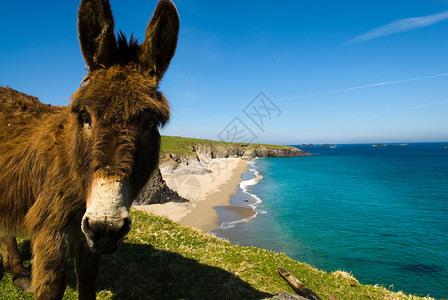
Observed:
{"x":96,"y":33}
{"x":160,"y":40}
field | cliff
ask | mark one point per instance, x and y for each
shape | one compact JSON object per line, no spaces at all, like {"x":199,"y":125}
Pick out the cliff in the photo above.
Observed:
{"x":246,"y":150}
{"x":187,"y":155}
{"x":160,"y":259}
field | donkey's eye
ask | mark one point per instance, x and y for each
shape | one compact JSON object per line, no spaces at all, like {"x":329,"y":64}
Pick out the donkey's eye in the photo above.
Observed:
{"x":85,"y":119}
{"x":149,"y":125}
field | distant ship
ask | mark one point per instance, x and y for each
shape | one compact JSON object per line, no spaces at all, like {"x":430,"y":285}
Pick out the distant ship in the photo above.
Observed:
{"x":379,"y":145}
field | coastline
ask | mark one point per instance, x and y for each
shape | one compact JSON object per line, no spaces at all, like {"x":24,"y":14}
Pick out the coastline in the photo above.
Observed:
{"x":205,"y":193}
{"x":243,"y":204}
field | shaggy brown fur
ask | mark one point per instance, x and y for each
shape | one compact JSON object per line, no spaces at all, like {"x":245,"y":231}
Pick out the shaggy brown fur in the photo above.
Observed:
{"x":49,"y":156}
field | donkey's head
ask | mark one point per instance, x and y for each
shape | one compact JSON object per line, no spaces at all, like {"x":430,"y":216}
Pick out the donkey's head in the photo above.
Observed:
{"x":116,"y":116}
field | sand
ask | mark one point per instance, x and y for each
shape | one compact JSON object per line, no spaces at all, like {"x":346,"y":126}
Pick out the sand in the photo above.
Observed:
{"x":204,"y":192}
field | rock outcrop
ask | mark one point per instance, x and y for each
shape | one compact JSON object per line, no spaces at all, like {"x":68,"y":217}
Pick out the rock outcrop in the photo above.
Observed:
{"x":157,"y":192}
{"x":287,"y":296}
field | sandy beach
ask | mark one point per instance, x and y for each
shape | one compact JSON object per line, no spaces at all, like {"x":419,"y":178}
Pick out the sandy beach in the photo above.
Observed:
{"x":204,"y":191}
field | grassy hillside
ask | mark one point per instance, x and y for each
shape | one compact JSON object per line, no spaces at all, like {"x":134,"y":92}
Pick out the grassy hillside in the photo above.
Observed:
{"x":184,"y":146}
{"x":163,"y":260}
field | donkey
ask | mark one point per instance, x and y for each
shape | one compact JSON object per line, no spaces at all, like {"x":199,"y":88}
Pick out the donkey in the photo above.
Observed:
{"x":68,"y":175}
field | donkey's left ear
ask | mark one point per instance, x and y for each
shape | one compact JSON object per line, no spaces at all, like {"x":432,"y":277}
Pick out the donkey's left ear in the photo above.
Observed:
{"x":96,"y":33}
{"x":160,"y":42}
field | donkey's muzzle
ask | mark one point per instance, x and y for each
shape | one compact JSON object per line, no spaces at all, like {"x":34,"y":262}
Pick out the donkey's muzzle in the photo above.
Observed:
{"x":104,"y":235}
{"x":106,"y":220}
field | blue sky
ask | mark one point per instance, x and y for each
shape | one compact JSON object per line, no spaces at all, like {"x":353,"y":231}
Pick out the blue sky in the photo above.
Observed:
{"x":329,"y":71}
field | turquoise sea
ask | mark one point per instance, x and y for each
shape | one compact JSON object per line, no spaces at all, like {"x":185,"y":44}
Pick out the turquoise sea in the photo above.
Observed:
{"x":380,"y":212}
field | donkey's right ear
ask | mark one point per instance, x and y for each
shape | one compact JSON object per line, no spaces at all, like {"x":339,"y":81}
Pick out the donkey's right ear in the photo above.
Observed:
{"x":96,"y":33}
{"x":160,"y":40}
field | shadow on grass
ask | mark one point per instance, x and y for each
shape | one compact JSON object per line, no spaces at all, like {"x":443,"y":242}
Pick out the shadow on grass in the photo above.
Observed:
{"x":143,"y":272}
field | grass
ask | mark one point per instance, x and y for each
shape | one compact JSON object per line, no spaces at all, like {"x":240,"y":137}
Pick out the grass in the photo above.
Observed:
{"x":163,"y":260}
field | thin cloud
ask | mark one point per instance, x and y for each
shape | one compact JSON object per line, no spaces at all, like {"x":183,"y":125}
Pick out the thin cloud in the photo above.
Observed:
{"x":362,"y":87}
{"x":402,"y":25}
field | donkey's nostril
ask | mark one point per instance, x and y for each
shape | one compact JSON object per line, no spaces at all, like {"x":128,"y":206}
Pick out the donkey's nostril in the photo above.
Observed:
{"x":85,"y":223}
{"x":113,"y":229}
{"x":126,"y":227}
{"x":87,"y":229}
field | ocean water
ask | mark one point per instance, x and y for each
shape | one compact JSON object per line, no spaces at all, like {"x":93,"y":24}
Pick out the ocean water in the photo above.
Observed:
{"x":380,"y":213}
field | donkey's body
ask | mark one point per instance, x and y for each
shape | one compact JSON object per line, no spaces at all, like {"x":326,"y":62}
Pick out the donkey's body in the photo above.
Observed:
{"x":70,"y":174}
{"x":28,"y":130}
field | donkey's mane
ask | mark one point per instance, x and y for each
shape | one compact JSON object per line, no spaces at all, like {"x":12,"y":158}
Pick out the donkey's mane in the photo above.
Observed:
{"x":127,"y":50}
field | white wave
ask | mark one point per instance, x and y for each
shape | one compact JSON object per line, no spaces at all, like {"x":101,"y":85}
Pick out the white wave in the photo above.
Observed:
{"x":229,"y":225}
{"x":252,"y":162}
{"x":246,"y":183}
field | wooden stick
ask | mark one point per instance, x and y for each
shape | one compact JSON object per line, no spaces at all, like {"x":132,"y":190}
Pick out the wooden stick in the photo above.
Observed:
{"x":297,"y":285}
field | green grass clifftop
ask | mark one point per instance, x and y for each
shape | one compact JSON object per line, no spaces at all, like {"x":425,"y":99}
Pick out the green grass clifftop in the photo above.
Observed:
{"x":160,"y":259}
{"x":181,"y":149}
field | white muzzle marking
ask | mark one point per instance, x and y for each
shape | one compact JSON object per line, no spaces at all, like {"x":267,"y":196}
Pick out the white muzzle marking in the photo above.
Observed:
{"x":107,"y":215}
{"x":109,"y":199}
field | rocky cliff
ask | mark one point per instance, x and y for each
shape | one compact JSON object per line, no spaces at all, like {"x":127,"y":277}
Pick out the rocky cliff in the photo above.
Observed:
{"x":195,"y":160}
{"x":246,"y":151}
